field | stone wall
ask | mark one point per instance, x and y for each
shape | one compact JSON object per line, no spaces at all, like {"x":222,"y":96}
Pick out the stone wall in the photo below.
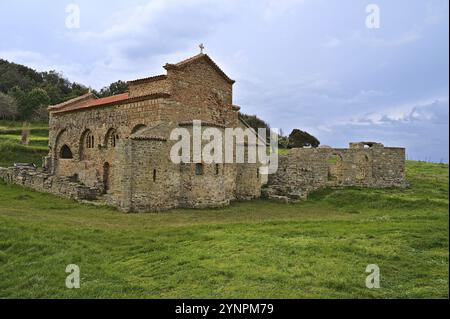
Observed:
{"x":155,"y":84}
{"x":303,"y":170}
{"x":47,"y":183}
{"x":146,"y":179}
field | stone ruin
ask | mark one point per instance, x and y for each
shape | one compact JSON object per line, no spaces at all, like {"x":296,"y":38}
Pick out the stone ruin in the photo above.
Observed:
{"x":365,"y":164}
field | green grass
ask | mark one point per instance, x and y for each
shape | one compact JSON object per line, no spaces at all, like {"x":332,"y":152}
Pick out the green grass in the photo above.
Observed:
{"x":10,"y":149}
{"x":318,"y":248}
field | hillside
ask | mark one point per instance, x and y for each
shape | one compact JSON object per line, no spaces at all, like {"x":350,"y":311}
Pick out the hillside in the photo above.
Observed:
{"x":10,"y":149}
{"x":58,"y":88}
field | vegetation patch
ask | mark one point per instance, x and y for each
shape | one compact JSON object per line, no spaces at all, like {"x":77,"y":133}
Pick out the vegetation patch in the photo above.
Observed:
{"x":318,"y":248}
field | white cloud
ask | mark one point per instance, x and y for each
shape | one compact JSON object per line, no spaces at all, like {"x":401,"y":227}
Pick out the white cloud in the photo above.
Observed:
{"x":332,"y":43}
{"x":277,"y":8}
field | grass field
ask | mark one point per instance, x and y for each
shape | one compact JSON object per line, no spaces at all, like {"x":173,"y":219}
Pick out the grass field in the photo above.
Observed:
{"x":318,"y":248}
{"x":10,"y":149}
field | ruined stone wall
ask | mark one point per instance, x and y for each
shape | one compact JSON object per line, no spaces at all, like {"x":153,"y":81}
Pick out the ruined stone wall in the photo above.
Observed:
{"x":303,"y":170}
{"x":248,"y":175}
{"x":48,"y":183}
{"x":389,"y":167}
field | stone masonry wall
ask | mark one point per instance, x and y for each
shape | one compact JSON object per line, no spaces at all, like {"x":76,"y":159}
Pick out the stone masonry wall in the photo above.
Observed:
{"x":47,"y":183}
{"x":303,"y":170}
{"x":143,"y":87}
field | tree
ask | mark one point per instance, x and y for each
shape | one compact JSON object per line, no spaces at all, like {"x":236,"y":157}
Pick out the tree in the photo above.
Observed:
{"x":114,"y":88}
{"x":58,"y":88}
{"x":255,"y":122}
{"x":8,"y":107}
{"x":283,"y":141}
{"x":299,"y":138}
{"x":29,"y":103}
{"x":36,"y":99}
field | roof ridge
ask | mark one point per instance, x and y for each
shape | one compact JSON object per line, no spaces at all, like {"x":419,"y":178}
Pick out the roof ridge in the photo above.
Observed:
{"x":187,"y":61}
{"x":148,"y":79}
{"x":73,"y":100}
{"x":120,"y":100}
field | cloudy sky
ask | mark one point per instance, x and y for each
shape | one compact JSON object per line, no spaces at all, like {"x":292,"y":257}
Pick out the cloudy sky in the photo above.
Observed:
{"x":309,"y":64}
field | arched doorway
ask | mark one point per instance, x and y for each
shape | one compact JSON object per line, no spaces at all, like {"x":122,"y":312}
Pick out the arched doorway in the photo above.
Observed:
{"x":106,"y":177}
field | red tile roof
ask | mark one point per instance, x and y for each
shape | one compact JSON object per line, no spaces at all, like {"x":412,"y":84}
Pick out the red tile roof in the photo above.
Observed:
{"x":80,"y":98}
{"x":93,"y":101}
{"x":109,"y":99}
{"x":90,"y":100}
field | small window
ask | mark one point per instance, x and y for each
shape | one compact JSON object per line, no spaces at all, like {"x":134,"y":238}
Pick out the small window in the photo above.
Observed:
{"x":65,"y":152}
{"x":217,"y":169}
{"x":111,"y":138}
{"x":199,"y":169}
{"x":154,"y":175}
{"x":257,"y":172}
{"x":89,"y":140}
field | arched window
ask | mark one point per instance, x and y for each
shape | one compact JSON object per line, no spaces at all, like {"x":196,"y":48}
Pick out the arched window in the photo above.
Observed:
{"x":111,"y":138}
{"x":89,"y":141}
{"x":86,"y":142}
{"x":65,"y":152}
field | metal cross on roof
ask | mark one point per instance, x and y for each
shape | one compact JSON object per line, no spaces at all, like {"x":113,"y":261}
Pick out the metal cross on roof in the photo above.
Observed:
{"x":201,"y":46}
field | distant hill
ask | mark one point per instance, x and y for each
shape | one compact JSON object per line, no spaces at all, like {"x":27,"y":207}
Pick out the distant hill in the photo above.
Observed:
{"x":25,"y":93}
{"x":58,"y":88}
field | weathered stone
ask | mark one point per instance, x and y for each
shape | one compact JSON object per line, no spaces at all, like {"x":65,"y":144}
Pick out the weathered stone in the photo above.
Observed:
{"x":119,"y":147}
{"x":366,"y":164}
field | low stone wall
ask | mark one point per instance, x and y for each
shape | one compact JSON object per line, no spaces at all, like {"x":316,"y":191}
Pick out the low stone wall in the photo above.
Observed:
{"x":304,"y":170}
{"x":43,"y":182}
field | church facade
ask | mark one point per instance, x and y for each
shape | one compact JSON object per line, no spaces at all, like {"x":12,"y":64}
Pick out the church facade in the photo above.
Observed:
{"x":120,"y":144}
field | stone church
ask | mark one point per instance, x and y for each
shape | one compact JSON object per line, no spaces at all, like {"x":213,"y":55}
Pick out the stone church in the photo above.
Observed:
{"x":117,"y":148}
{"x":120,"y":144}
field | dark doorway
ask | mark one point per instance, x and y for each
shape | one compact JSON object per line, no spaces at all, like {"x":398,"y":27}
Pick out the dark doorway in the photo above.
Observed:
{"x":106,"y":177}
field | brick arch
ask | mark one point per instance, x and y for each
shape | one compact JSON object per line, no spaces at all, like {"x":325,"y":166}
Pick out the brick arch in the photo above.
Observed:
{"x":87,"y":141}
{"x":111,"y":138}
{"x":138,"y":127}
{"x":58,"y":141}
